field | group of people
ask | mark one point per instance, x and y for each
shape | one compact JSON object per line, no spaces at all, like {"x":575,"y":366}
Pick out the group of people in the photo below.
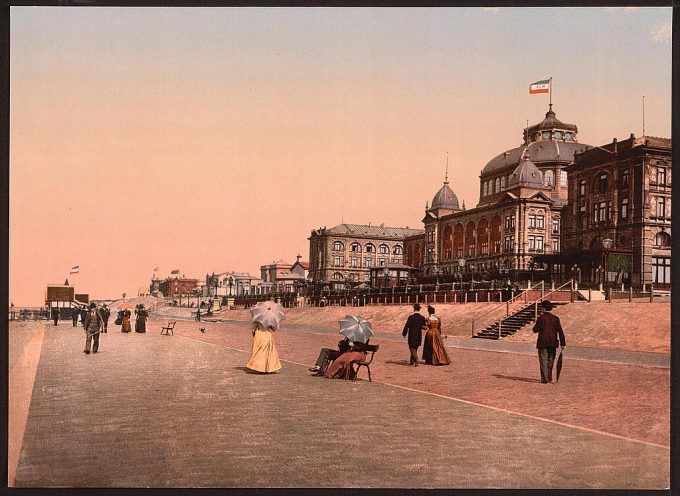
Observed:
{"x":337,"y":363}
{"x":124,"y":316}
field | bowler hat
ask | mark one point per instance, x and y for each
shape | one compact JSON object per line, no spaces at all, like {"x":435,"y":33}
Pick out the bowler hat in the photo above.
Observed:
{"x":546,"y":305}
{"x":416,"y":307}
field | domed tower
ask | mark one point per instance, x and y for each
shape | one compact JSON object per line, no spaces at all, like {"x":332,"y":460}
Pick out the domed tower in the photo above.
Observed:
{"x":526,"y":176}
{"x":551,"y":144}
{"x":445,"y":200}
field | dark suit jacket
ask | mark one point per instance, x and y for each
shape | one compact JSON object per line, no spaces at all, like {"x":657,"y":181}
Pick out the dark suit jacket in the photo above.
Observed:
{"x":549,"y":328}
{"x":414,"y":329}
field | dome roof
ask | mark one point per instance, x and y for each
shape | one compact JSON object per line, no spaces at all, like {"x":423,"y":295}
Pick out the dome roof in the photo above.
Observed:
{"x":445,"y":198}
{"x":526,"y":175}
{"x":552,"y":122}
{"x":539,"y":151}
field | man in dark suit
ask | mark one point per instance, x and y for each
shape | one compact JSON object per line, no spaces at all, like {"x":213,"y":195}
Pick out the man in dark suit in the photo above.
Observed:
{"x":105,"y":313}
{"x":414,"y":330}
{"x":549,"y":329}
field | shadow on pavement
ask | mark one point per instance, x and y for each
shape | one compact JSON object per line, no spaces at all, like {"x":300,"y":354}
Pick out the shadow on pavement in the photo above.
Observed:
{"x":514,"y":378}
{"x":400,"y":362}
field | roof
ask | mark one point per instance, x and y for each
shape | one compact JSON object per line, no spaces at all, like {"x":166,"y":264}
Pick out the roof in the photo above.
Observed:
{"x":526,"y":175}
{"x":538,"y":151}
{"x":551,"y":122}
{"x":371,"y":231}
{"x":304,"y":265}
{"x":445,"y":198}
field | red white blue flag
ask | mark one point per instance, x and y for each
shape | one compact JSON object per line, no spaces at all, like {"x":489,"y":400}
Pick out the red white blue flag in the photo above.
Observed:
{"x":540,"y":87}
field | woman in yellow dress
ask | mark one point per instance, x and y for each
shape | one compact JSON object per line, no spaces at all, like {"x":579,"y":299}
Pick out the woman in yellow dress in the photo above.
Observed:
{"x":264,"y":358}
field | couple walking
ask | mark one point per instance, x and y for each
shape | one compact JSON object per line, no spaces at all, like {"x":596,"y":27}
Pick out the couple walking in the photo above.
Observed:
{"x":434,"y":352}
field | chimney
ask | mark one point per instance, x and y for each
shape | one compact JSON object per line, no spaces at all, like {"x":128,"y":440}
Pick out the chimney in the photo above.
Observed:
{"x":616,"y":145}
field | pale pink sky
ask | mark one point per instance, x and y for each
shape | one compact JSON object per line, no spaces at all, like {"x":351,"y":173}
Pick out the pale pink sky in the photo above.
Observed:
{"x":216,"y":139}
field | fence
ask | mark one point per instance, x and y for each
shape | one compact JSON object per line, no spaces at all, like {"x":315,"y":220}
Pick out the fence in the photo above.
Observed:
{"x":29,"y":314}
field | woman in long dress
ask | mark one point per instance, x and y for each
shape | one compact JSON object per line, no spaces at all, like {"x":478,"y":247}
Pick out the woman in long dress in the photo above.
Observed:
{"x":126,"y":321}
{"x":341,"y":367}
{"x":140,"y":321}
{"x":264,"y":357}
{"x":434,"y":352}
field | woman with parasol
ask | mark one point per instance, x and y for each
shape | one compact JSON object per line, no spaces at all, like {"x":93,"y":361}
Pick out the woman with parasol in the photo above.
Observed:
{"x":266,"y":316}
{"x":358,"y":331}
{"x":124,"y":315}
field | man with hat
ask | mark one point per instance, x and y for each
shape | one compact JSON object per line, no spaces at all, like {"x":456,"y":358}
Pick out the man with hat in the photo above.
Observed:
{"x":414,"y":329}
{"x":105,"y":313}
{"x":93,"y":326}
{"x":549,"y":329}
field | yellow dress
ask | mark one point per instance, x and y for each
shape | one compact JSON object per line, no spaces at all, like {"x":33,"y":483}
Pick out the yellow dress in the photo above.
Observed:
{"x":264,"y":357}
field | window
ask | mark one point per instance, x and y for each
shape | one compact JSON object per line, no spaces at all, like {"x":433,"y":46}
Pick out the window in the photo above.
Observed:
{"x":532,"y":221}
{"x":337,"y":276}
{"x":383,"y":249}
{"x":497,"y":246}
{"x":430,"y":254}
{"x":602,"y":183}
{"x":355,"y":247}
{"x":662,"y":239}
{"x":563,"y":178}
{"x":337,"y":245}
{"x":485,"y":188}
{"x":381,"y":262}
{"x":661,"y":176}
{"x":624,"y":178}
{"x":556,"y":245}
{"x":336,"y":262}
{"x":556,"y":226}
{"x":430,"y":236}
{"x":661,"y":270}
{"x":532,"y":242}
{"x":624,"y":208}
{"x":539,"y":243}
{"x":370,"y":248}
{"x":661,"y":207}
{"x":509,"y":222}
{"x":549,"y":178}
{"x":540,"y":222}
{"x":459,"y":251}
{"x":397,"y":250}
{"x":503,"y":182}
{"x":582,"y":187}
{"x":355,"y":262}
{"x":509,"y":243}
{"x":498,"y":185}
{"x":485,"y":247}
{"x":368,"y":262}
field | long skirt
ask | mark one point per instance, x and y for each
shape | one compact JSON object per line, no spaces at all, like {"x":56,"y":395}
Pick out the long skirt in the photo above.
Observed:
{"x":342,"y":366}
{"x":140,"y":324}
{"x":434,"y":352}
{"x":126,"y":325}
{"x":264,"y":357}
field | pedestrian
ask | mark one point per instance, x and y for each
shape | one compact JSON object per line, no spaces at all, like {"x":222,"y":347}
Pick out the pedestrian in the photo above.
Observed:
{"x":342,"y":368}
{"x":414,"y":329}
{"x":264,"y":357}
{"x":83,"y":316}
{"x":126,"y":321}
{"x":55,"y":315}
{"x":434,"y":352}
{"x":105,"y":313}
{"x":140,"y":320}
{"x":93,"y":327}
{"x":74,"y":316}
{"x":550,"y":335}
{"x":198,"y":314}
{"x":327,"y":355}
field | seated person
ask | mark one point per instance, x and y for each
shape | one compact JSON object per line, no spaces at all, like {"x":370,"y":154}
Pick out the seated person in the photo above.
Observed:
{"x":342,"y":365}
{"x":327,"y":355}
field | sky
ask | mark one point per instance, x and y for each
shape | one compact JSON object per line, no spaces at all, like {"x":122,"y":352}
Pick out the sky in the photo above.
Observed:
{"x":216,"y":139}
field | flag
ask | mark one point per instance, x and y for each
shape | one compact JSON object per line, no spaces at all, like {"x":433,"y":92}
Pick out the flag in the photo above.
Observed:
{"x":540,"y":87}
{"x":176,"y":271}
{"x":156,"y":269}
{"x":75,"y":269}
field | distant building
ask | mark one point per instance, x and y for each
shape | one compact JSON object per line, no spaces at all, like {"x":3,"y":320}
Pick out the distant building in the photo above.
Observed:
{"x":342,"y":256}
{"x":283,"y":277}
{"x":176,"y":286}
{"x":621,"y":192}
{"x":230,"y":284}
{"x":63,"y":297}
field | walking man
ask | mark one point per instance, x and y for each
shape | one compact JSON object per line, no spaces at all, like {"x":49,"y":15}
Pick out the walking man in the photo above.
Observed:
{"x":93,"y":326}
{"x":549,"y":329}
{"x":74,"y":316}
{"x":105,"y":313}
{"x":414,"y":330}
{"x":55,"y":315}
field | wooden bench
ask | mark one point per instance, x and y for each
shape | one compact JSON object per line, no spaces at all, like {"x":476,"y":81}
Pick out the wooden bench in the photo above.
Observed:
{"x":366,"y":362}
{"x":168,"y":329}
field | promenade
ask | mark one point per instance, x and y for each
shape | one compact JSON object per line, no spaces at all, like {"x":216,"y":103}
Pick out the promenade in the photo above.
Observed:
{"x":182,"y":411}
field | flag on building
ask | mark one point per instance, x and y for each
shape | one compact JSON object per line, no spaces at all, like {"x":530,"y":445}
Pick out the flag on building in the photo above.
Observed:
{"x":540,"y":87}
{"x":75,"y":269}
{"x":176,"y":271}
{"x":156,"y":269}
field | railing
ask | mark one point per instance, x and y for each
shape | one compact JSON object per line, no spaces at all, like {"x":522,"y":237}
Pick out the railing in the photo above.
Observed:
{"x":33,"y":313}
{"x":514,"y":300}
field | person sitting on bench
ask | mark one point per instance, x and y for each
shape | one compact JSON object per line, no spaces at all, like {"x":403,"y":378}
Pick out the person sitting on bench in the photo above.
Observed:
{"x":341,"y":367}
{"x":327,"y":355}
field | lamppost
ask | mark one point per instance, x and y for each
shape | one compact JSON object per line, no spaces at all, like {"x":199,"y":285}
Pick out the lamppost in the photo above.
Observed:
{"x":437,"y":273}
{"x":461,"y":266}
{"x":600,"y":275}
{"x":386,"y":275}
{"x":606,"y":244}
{"x":231,"y":284}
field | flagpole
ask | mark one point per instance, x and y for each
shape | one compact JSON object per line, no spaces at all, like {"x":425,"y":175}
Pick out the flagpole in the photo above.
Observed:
{"x":643,"y":115}
{"x":550,"y":92}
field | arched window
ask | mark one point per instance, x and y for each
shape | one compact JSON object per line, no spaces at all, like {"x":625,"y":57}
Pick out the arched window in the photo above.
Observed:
{"x":563,"y":178}
{"x":503,"y":182}
{"x":370,"y":248}
{"x":337,"y":275}
{"x":397,"y":250}
{"x":498,"y":185}
{"x":383,"y":249}
{"x":337,"y":245}
{"x":485,"y":192}
{"x":549,"y":178}
{"x":663,"y":239}
{"x":355,"y":247}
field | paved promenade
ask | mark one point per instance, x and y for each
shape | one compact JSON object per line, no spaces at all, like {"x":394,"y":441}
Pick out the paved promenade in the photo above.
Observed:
{"x":182,"y":411}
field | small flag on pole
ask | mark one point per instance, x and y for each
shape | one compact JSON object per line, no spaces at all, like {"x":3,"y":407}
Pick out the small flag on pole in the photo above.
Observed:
{"x":176,"y":271}
{"x":540,"y":87}
{"x":156,"y":269}
{"x":75,"y":269}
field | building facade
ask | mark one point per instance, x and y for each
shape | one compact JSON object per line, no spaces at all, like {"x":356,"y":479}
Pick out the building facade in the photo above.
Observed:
{"x":342,"y":256}
{"x":519,"y":214}
{"x":175,"y":286}
{"x":620,"y":193}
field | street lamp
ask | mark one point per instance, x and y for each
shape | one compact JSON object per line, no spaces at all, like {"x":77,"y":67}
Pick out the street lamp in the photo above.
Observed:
{"x":386,"y":275}
{"x":606,"y":244}
{"x":461,"y":265}
{"x":437,"y":273}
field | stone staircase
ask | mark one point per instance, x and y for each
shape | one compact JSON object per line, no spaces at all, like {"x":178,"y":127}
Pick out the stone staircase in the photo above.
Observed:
{"x":511,"y":324}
